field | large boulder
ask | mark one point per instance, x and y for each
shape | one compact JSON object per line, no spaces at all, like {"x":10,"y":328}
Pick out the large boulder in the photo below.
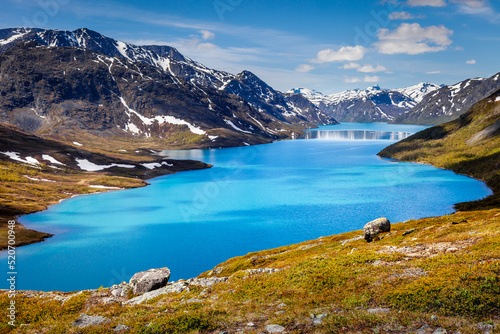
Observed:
{"x":373,"y":228}
{"x":149,"y":280}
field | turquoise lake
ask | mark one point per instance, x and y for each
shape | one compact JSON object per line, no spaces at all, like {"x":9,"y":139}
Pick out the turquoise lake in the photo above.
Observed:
{"x":254,"y":198}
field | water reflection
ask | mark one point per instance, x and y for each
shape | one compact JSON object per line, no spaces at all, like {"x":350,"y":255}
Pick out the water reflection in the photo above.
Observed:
{"x":356,"y":135}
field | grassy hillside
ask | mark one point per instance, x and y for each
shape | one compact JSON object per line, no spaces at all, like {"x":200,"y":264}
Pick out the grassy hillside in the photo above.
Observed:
{"x":432,"y":274}
{"x":469,"y":145}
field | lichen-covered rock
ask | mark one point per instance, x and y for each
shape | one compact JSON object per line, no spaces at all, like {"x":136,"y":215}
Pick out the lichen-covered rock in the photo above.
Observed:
{"x":89,"y":320}
{"x":120,"y":290}
{"x":149,"y":280}
{"x":175,"y":287}
{"x":275,"y":329}
{"x":373,"y":228}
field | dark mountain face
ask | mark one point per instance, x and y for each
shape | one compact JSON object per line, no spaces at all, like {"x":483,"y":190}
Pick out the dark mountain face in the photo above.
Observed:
{"x":449,"y":102}
{"x":169,"y":60}
{"x":66,"y":90}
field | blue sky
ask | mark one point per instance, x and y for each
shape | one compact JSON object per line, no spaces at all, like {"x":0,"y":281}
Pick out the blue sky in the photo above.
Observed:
{"x":329,"y":46}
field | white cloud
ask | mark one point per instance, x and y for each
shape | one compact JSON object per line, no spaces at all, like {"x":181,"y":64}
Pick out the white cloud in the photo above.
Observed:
{"x":371,"y":69}
{"x":372,"y":79}
{"x":401,"y":16}
{"x":352,"y":80}
{"x":413,"y":39}
{"x":471,"y":3}
{"x":350,"y":66}
{"x":206,"y":35}
{"x":304,"y":68}
{"x":346,"y":53}
{"x":471,"y":62}
{"x":428,"y":3}
{"x":433,"y":72}
{"x":364,"y":68}
{"x":367,"y":78}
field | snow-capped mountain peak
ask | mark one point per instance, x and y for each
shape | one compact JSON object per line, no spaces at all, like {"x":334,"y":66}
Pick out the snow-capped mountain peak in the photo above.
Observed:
{"x":418,"y":91}
{"x":370,"y":104}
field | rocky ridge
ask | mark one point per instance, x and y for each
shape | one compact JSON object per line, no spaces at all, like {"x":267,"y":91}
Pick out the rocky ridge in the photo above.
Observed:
{"x":370,"y":105}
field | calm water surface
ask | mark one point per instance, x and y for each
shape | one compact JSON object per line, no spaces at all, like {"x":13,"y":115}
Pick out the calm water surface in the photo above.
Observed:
{"x":254,"y":198}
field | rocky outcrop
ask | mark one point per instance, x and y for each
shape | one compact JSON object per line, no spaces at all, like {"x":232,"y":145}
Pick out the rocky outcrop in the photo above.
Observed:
{"x":120,"y":290}
{"x":89,"y":320}
{"x":149,"y":280}
{"x":375,"y":227}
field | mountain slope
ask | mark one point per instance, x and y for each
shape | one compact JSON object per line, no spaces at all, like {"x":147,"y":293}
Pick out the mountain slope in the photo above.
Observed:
{"x":265,"y":99}
{"x":370,"y":105}
{"x":468,"y":145}
{"x":449,"y":102}
{"x":166,"y":58}
{"x":77,"y":90}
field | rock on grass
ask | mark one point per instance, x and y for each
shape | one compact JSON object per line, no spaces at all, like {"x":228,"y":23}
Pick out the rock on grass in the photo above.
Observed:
{"x":373,"y":228}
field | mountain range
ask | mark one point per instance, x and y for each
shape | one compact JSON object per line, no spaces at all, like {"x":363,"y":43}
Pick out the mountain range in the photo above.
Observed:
{"x":424,"y":103}
{"x":369,"y":105}
{"x":92,"y":83}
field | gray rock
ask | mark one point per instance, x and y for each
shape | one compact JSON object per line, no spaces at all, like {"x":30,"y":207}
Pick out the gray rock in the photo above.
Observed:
{"x":373,"y":228}
{"x":261,"y":271}
{"x":379,"y":310}
{"x":359,"y":237}
{"x":89,"y":320}
{"x":485,"y":328}
{"x":206,"y":282}
{"x":175,"y":287}
{"x":194,"y":300}
{"x":409,"y":231}
{"x":440,"y":331}
{"x":122,"y":328}
{"x":149,"y":280}
{"x":120,"y":290}
{"x":282,"y":305}
{"x":250,"y":324}
{"x":275,"y":329}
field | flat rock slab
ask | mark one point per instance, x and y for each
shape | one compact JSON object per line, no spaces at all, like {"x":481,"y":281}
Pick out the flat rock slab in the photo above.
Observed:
{"x":275,"y":329}
{"x":90,"y":320}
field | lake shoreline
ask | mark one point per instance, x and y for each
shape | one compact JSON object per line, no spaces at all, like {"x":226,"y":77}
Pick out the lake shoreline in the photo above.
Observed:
{"x":311,"y":235}
{"x":26,"y":236}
